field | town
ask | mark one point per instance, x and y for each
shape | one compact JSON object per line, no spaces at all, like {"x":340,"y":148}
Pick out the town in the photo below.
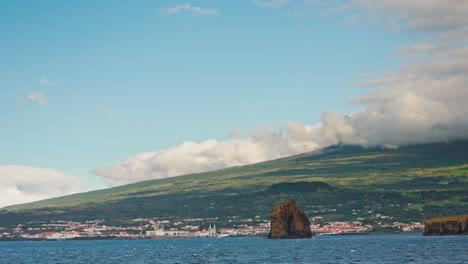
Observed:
{"x":160,"y":228}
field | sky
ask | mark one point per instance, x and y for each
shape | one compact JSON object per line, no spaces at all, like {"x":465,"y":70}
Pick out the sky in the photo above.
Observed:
{"x":106,"y":93}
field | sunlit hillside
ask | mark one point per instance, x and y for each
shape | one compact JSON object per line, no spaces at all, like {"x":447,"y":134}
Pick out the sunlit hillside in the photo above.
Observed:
{"x":406,"y":171}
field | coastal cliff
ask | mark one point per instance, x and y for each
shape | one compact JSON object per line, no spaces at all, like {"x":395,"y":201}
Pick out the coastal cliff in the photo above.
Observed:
{"x":288,"y":221}
{"x":448,"y":226}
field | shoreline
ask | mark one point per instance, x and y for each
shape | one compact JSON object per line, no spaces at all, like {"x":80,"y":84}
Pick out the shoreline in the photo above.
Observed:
{"x":171,"y":237}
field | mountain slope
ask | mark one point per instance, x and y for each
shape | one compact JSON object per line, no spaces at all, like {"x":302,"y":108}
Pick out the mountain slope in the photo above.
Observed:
{"x":354,"y":170}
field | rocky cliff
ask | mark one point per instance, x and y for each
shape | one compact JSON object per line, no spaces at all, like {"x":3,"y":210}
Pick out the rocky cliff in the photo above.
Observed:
{"x":288,"y":221}
{"x":448,"y":226}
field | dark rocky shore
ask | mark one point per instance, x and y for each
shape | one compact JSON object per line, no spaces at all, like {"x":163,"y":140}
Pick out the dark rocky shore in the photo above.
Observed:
{"x":447,"y":226}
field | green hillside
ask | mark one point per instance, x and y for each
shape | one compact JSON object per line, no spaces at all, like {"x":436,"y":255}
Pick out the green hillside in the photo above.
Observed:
{"x":431,"y":177}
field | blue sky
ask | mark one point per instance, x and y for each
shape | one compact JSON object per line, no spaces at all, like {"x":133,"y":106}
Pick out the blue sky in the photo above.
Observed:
{"x":88,"y":84}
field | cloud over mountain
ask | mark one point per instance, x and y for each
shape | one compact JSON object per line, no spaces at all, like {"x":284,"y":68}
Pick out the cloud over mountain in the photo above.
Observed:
{"x":190,"y":157}
{"x":422,"y":101}
{"x":21,"y":184}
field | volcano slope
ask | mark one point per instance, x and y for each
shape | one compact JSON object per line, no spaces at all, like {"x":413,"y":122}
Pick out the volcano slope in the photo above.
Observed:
{"x":410,"y":183}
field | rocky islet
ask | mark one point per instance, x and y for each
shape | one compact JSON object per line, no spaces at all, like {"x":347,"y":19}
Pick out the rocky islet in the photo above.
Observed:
{"x":288,"y":221}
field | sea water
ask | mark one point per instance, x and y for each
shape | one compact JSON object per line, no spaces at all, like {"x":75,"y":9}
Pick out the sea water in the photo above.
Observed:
{"x":325,"y":249}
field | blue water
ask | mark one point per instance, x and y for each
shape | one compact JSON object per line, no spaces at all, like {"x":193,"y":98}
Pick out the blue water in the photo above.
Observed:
{"x":333,"y":249}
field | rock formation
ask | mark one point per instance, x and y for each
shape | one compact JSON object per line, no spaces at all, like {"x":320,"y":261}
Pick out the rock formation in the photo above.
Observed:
{"x":448,"y":226}
{"x":288,"y":221}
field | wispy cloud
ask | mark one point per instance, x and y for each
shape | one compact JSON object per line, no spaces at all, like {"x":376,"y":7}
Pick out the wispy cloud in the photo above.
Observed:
{"x":45,"y":81}
{"x":195,"y":10}
{"x":443,"y":19}
{"x":38,"y":97}
{"x":271,"y":3}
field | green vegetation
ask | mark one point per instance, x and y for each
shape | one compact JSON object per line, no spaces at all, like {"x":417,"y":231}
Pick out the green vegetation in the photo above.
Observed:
{"x":340,"y":182}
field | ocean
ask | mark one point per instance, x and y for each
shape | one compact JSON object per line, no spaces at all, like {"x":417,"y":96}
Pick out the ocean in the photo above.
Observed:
{"x":324,"y":249}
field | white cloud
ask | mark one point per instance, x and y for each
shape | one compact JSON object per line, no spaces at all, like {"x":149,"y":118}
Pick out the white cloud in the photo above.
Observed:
{"x":21,"y":184}
{"x":190,"y":157}
{"x":421,"y":101}
{"x":39,"y":97}
{"x":271,"y":3}
{"x":45,"y":81}
{"x":195,"y":10}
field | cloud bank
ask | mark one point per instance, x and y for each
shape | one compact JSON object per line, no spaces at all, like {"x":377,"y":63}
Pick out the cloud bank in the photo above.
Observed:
{"x":420,"y":102}
{"x":20,"y":184}
{"x":190,"y":157}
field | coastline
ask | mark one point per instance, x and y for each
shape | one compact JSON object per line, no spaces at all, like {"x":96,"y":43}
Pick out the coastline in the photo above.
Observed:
{"x":173,"y":237}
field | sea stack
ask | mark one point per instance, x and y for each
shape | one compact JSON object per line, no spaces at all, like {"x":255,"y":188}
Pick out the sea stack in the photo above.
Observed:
{"x":288,"y":221}
{"x":448,"y":226}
